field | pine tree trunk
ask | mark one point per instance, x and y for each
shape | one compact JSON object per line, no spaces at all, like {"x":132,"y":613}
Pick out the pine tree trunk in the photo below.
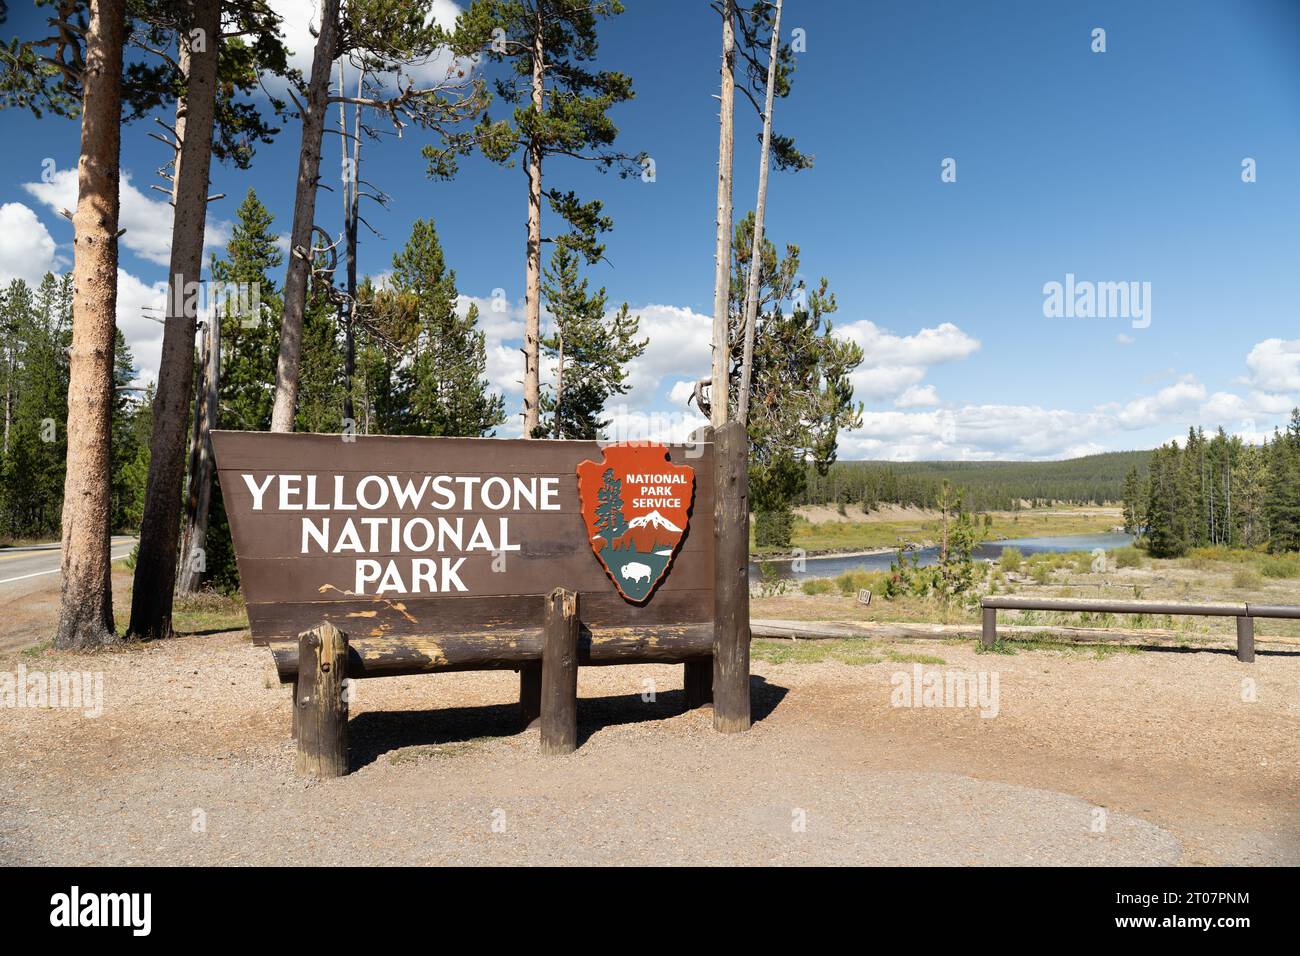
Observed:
{"x":193,"y":562}
{"x":719,"y":391}
{"x":760,"y":212}
{"x":155,"y":570}
{"x":304,"y":212}
{"x":533,"y":272}
{"x":86,"y":603}
{"x":9,"y":397}
{"x":351,"y":211}
{"x":559,"y":383}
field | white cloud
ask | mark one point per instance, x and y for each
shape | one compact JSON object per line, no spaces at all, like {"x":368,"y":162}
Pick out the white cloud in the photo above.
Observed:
{"x":681,"y":392}
{"x":27,"y":251}
{"x":680,"y":343}
{"x":502,"y":324}
{"x":1275,"y":365}
{"x":917,"y":397}
{"x":893,"y":364}
{"x":148,"y":222}
{"x":142,"y":333}
{"x":1164,"y":404}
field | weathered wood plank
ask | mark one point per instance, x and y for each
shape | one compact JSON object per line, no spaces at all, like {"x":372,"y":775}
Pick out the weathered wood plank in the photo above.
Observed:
{"x":416,"y":617}
{"x":507,"y":650}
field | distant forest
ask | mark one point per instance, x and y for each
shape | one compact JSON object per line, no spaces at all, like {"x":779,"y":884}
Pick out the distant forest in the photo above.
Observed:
{"x":985,"y":485}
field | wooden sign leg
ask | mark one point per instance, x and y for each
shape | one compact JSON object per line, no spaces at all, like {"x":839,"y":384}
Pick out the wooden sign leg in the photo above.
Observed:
{"x":323,"y":711}
{"x":560,"y":674}
{"x":731,"y":712}
{"x":530,"y":694}
{"x":697,"y":677}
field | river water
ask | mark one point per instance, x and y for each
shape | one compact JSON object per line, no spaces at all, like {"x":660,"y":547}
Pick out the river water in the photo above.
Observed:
{"x":836,"y":564}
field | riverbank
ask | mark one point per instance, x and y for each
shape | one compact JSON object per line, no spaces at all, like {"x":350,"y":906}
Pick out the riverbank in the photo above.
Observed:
{"x":891,"y":528}
{"x":1206,"y":576}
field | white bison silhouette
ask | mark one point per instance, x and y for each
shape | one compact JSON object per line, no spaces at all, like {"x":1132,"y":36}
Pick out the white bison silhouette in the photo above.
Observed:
{"x":636,"y":571}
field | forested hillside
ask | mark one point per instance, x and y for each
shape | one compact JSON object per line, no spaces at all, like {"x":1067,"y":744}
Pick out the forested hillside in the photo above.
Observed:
{"x":986,"y":485}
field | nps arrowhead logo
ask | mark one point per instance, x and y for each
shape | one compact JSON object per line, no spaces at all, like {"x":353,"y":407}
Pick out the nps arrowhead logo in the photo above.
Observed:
{"x":636,"y":505}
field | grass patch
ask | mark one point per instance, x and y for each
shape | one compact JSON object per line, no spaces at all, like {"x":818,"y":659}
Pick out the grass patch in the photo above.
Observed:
{"x":845,"y":651}
{"x":1246,"y":579}
{"x":208,"y":611}
{"x":900,"y":657}
{"x":459,"y":748}
{"x":1045,"y":642}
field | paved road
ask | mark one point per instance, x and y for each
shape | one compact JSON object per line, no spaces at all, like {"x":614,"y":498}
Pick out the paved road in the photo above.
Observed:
{"x":23,"y":564}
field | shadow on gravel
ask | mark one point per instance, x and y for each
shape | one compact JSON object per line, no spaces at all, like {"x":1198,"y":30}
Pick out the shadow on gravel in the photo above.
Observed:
{"x":376,"y":733}
{"x":1228,"y":651}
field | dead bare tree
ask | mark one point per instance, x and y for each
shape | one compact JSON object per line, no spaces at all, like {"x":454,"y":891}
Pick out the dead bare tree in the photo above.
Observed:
{"x":760,"y":210}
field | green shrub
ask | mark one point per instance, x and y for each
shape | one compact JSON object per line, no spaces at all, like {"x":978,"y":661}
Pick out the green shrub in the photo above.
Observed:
{"x":774,"y":529}
{"x":1041,"y":571}
{"x":1128,"y":557}
{"x":1280,"y":566}
{"x":850,"y":582}
{"x":1011,"y":559}
{"x":817,"y":586}
{"x":1246,"y":578}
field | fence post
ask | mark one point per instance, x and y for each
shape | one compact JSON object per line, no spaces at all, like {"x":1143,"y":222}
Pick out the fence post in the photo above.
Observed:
{"x":323,"y":717}
{"x":560,"y":674}
{"x":989,"y":634}
{"x":1246,"y":639}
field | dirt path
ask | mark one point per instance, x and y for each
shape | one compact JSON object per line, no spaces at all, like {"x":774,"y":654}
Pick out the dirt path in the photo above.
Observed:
{"x":1182,"y":769}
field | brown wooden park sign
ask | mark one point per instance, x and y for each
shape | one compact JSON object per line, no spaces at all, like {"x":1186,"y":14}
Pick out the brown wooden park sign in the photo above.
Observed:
{"x":375,"y":556}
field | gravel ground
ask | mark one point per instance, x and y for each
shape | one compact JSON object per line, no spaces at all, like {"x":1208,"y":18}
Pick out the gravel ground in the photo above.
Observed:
{"x":190,"y":763}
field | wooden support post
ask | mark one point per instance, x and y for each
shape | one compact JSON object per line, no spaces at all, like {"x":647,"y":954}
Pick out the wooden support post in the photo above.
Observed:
{"x":731,"y":712}
{"x":294,"y":706}
{"x":530,"y":694}
{"x":323,"y":710}
{"x":560,"y":674}
{"x":697,"y":678}
{"x":1246,"y":639}
{"x":989,"y":636}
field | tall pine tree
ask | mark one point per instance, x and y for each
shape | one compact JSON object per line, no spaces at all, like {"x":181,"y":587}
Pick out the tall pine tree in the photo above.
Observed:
{"x":590,"y":350}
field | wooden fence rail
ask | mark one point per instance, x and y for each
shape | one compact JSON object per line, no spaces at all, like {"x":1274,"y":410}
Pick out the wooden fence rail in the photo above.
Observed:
{"x":1245,"y":613}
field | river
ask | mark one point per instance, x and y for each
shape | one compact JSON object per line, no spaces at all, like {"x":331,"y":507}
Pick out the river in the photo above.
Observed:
{"x":833,"y":565}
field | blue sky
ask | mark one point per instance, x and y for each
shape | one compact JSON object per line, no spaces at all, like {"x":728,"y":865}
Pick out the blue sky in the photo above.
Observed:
{"x":1119,"y":166}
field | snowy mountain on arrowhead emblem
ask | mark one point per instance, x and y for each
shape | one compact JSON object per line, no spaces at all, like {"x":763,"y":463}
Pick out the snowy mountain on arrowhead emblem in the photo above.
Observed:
{"x":637,"y":507}
{"x":653,"y":520}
